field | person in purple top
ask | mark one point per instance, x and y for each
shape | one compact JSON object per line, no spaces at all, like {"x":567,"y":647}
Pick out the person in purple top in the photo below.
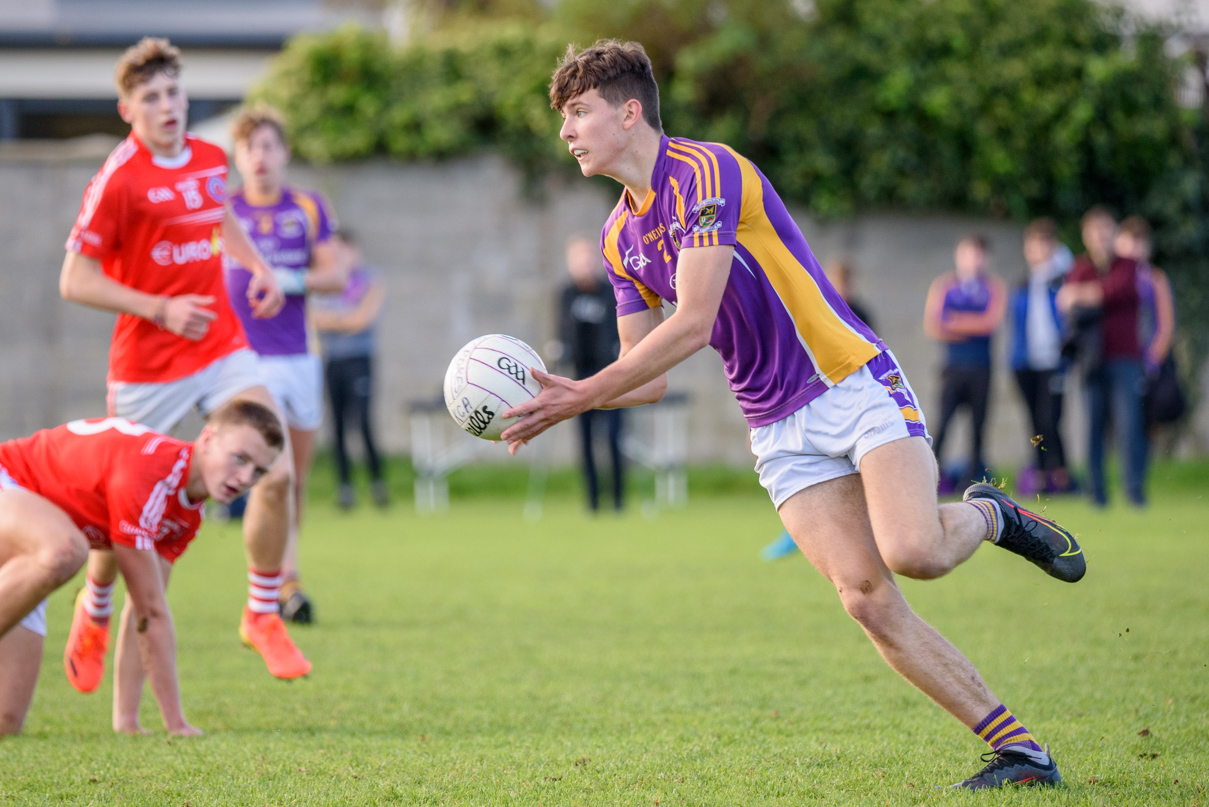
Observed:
{"x":292,"y":228}
{"x":840,"y":443}
{"x":964,"y":308}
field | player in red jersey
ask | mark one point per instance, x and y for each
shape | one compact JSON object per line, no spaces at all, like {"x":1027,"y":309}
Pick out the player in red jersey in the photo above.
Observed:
{"x":119,"y":486}
{"x":148,"y":244}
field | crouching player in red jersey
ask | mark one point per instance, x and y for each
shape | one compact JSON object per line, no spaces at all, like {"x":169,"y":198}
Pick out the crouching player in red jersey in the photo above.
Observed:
{"x":148,"y":244}
{"x":840,"y":442}
{"x":115,"y":485}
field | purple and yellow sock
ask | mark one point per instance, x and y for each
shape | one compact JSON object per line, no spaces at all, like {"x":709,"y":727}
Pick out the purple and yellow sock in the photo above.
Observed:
{"x":1001,"y":728}
{"x":992,"y":517}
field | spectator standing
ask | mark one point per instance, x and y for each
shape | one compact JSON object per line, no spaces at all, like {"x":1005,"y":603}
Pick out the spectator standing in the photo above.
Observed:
{"x":587,"y":331}
{"x":346,"y":326}
{"x":1037,"y":362}
{"x":1107,"y":285}
{"x":963,"y":309}
{"x":1164,"y":401}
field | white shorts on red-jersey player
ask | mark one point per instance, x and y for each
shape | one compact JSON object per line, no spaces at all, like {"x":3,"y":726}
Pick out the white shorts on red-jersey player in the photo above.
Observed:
{"x":828,"y":437}
{"x":161,"y":406}
{"x":296,"y":382}
{"x":35,"y":620}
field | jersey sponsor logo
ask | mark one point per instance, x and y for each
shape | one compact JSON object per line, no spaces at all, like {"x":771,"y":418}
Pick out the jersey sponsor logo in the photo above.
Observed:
{"x":161,"y":194}
{"x":634,"y":262}
{"x":216,"y":186}
{"x":672,"y":281}
{"x":91,"y":237}
{"x":166,"y":253}
{"x":707,"y":214}
{"x":191,"y":191}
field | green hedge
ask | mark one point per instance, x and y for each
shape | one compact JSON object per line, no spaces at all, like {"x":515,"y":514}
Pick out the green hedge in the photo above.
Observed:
{"x":990,"y":107}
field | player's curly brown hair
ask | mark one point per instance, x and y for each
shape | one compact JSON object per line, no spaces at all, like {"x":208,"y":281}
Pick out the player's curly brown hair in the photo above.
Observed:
{"x":250,"y":413}
{"x":251,"y":118}
{"x":617,"y":70}
{"x":143,"y":62}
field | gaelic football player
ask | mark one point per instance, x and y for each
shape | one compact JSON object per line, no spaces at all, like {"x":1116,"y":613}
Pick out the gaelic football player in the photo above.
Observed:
{"x":148,"y":244}
{"x":115,"y":485}
{"x":840,"y":442}
{"x":292,"y":229}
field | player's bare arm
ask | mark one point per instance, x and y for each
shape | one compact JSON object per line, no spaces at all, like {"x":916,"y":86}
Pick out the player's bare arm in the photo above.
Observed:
{"x":264,"y":293}
{"x":632,"y":329}
{"x":156,"y":636}
{"x":330,"y":265}
{"x":703,"y":273}
{"x":82,"y":280}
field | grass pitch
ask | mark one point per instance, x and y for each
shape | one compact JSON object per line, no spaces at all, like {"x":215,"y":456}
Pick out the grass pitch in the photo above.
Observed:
{"x":475,"y":658}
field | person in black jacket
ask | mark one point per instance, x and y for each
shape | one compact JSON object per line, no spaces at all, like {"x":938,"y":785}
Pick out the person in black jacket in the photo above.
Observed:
{"x":587,"y":331}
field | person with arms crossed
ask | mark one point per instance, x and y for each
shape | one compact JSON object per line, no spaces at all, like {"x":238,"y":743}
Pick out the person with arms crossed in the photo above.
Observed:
{"x":348,"y":335}
{"x":115,"y":485}
{"x":963,"y":310}
{"x":292,"y":229}
{"x":840,"y":442}
{"x":148,"y":244}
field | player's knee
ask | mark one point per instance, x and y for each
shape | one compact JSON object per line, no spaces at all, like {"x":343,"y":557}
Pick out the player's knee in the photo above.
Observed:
{"x":914,"y":563}
{"x":874,"y":603}
{"x":63,"y":556}
{"x":912,"y":555}
{"x":277,"y":485}
{"x":11,"y":722}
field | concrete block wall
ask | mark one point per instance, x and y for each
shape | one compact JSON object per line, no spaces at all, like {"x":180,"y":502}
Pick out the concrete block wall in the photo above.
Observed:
{"x":465,"y":253}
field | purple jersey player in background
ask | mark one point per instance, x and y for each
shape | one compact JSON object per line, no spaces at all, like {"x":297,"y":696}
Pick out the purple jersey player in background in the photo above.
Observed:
{"x":292,"y":228}
{"x":839,"y":440}
{"x":963,"y":310}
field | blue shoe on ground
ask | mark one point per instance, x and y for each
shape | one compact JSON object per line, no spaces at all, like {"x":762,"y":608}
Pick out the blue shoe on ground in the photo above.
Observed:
{"x":780,"y":548}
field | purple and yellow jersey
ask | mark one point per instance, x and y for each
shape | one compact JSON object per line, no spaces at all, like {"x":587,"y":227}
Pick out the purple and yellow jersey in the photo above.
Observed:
{"x":285,"y":233}
{"x":784,"y":334}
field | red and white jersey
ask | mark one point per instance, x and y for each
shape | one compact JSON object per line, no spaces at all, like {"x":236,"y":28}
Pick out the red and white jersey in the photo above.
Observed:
{"x":155,"y":225}
{"x":120,"y":482}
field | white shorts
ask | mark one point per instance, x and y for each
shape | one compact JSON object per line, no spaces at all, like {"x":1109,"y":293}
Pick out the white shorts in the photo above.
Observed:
{"x":35,"y":620}
{"x":163,"y":405}
{"x":828,"y":437}
{"x":297,"y":385}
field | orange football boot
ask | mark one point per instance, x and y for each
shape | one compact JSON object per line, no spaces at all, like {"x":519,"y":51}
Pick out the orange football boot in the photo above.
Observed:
{"x":266,"y":634}
{"x":84,"y":658}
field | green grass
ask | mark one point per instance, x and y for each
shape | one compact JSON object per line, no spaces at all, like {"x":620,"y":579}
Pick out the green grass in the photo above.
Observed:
{"x":475,"y":658}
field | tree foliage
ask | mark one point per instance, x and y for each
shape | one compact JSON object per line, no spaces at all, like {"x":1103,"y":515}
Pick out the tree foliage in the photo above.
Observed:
{"x":982,"y":106}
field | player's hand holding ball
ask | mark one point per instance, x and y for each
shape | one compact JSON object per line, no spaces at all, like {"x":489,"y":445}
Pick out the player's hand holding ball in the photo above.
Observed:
{"x":488,"y":377}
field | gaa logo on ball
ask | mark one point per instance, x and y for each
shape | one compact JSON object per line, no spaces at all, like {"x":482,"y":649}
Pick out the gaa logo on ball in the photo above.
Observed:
{"x":486,"y":378}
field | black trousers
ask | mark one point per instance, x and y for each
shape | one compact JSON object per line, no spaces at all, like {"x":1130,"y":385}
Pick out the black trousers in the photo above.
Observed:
{"x":350,"y":385}
{"x":969,"y":387}
{"x":612,"y":425}
{"x":1042,"y":393}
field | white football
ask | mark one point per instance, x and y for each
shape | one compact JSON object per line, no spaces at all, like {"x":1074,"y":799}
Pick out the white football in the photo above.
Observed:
{"x":487,"y":377}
